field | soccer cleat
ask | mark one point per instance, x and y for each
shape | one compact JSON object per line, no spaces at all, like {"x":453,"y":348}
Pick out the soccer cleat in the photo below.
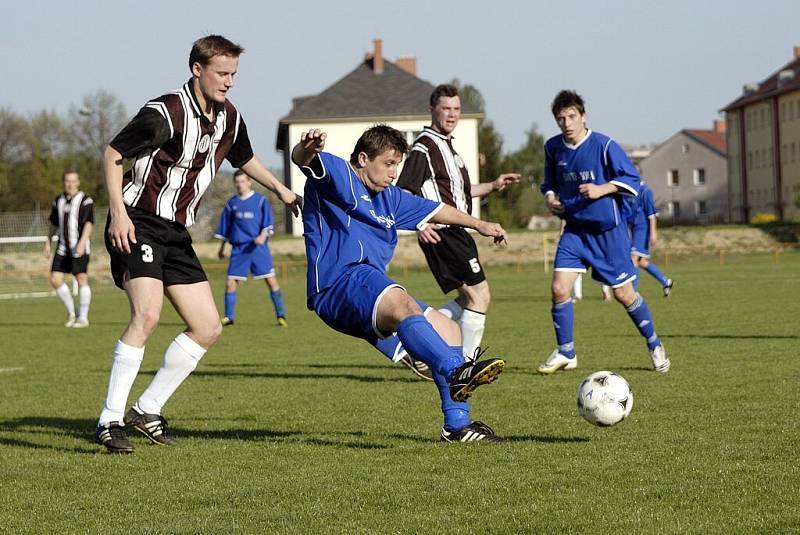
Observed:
{"x":70,"y":321}
{"x":227,"y":321}
{"x":470,"y":376}
{"x":422,"y":370}
{"x":153,"y":426}
{"x":557,"y":362}
{"x":80,"y":323}
{"x":281,"y":321}
{"x":660,"y":361}
{"x":474,"y":432}
{"x":113,"y":437}
{"x":668,"y":287}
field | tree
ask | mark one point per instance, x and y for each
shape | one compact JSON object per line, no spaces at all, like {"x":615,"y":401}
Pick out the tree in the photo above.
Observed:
{"x":524,"y":200}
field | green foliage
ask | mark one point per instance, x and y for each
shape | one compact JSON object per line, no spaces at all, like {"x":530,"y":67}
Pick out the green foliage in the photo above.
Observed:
{"x":304,"y":430}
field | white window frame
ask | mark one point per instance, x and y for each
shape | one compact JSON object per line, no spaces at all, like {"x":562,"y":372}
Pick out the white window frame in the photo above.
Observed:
{"x":696,"y":176}
{"x":697,"y":211}
{"x":670,"y":183}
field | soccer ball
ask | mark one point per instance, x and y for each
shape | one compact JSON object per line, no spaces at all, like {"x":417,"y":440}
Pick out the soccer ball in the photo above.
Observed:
{"x":604,"y":398}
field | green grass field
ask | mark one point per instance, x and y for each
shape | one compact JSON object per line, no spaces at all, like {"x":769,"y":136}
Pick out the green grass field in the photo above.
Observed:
{"x":304,"y":430}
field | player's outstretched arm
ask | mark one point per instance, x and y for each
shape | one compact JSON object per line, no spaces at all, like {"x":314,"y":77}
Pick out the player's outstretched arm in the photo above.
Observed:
{"x":120,"y":230}
{"x":451,"y":216}
{"x":261,"y":174}
{"x":499,"y":184}
{"x":311,"y":144}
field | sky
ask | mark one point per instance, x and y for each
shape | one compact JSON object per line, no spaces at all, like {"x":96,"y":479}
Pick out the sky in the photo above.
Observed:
{"x":645,"y":69}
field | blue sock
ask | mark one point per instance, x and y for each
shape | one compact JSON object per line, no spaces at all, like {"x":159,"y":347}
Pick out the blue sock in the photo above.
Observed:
{"x":230,"y":304}
{"x":456,"y":414}
{"x":277,"y":302}
{"x":423,"y":343}
{"x":655,"y":272}
{"x":640,"y":314}
{"x":389,"y":346}
{"x":563,"y":321}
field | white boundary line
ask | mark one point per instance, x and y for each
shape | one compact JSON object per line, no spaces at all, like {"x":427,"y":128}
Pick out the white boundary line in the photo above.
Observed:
{"x":7,"y":370}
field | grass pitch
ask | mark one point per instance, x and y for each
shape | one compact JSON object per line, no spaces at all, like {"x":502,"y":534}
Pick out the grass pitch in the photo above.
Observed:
{"x":304,"y":430}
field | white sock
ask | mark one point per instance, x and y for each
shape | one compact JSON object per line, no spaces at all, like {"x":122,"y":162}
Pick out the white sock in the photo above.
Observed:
{"x":180,"y":358}
{"x":124,"y":367}
{"x":577,"y":288}
{"x":472,"y":325}
{"x":452,"y":310}
{"x":63,"y":293}
{"x":84,"y":299}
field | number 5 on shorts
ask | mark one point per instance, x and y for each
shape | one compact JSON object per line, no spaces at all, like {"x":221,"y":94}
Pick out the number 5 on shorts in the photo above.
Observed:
{"x":147,"y":253}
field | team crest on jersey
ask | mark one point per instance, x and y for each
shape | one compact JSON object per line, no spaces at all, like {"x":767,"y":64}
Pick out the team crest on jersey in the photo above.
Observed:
{"x":459,"y":161}
{"x":205,"y":143}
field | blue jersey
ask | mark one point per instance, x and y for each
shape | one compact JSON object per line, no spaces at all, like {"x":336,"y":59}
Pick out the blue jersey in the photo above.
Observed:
{"x":639,"y":209}
{"x":345,"y":224}
{"x":595,"y":159}
{"x":243,"y":219}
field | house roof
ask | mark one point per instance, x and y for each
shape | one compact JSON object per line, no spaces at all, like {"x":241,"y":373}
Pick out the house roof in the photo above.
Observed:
{"x":770,"y":88}
{"x":364,"y":94}
{"x":712,"y":139}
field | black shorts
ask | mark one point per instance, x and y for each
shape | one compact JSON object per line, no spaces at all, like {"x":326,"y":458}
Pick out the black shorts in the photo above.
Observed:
{"x":163,"y":251}
{"x":454,"y":260}
{"x":70,"y":264}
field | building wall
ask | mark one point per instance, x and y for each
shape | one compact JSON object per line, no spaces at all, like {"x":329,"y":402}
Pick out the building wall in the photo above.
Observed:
{"x":760,"y":155}
{"x":685,"y":155}
{"x":789,"y":122}
{"x":735,"y":201}
{"x":342,"y":136}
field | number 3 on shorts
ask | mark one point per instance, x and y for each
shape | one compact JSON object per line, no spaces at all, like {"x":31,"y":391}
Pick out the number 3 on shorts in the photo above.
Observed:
{"x":473,"y":263}
{"x":147,"y":253}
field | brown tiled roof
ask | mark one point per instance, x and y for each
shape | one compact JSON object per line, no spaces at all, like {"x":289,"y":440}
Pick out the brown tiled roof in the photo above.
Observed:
{"x":710,"y":138}
{"x":769,"y":87}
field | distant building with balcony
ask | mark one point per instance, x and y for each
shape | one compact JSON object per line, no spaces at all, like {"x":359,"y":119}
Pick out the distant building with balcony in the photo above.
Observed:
{"x":688,"y":174}
{"x":764,"y":146}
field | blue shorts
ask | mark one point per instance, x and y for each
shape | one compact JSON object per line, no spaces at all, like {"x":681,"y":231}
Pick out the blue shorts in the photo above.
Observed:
{"x":607,"y":253}
{"x":250,"y":258}
{"x":350,"y":306}
{"x":640,"y":240}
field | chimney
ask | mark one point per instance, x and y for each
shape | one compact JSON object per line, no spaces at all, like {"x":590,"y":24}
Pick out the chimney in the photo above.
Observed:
{"x":408,"y":64}
{"x":719,"y":126}
{"x":377,"y":56}
{"x":797,"y":52}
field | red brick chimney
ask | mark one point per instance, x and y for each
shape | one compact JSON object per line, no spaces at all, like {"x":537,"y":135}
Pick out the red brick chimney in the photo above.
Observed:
{"x":797,"y":52}
{"x":719,"y":126}
{"x":408,"y":64}
{"x":377,"y":56}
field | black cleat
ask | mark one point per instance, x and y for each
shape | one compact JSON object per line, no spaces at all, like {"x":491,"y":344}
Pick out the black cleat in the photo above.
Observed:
{"x":153,"y":426}
{"x":113,"y":437}
{"x":474,"y":432}
{"x":422,"y":370}
{"x":470,"y":376}
{"x":668,"y":288}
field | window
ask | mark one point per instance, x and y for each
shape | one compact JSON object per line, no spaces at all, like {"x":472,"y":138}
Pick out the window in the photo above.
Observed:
{"x":783,"y":112}
{"x":785,"y":154}
{"x":749,"y":160}
{"x":700,"y":208}
{"x":791,"y":110}
{"x":672,"y":178}
{"x":674,"y":209}
{"x":763,"y":122}
{"x":699,"y":177}
{"x":685,"y":148}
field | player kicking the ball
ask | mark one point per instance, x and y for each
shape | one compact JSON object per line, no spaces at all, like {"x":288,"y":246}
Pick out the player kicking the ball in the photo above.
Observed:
{"x":177,"y":142}
{"x":350,"y":220}
{"x":585,"y":173}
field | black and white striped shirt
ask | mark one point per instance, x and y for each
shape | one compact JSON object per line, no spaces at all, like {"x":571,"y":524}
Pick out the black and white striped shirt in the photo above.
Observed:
{"x":70,"y":215}
{"x":434,"y":170}
{"x":177,"y":151}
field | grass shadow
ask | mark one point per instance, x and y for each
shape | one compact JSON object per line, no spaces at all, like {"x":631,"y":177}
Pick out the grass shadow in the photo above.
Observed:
{"x":289,"y":375}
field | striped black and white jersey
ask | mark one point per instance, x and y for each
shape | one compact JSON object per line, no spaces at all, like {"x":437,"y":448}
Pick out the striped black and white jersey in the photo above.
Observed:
{"x":70,"y":215}
{"x":176,"y":152}
{"x":434,"y":170}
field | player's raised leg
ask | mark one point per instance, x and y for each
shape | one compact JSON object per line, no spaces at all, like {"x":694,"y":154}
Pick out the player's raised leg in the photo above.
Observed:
{"x":639,"y":313}
{"x":195,"y":304}
{"x":656,"y":273}
{"x":146,"y":297}
{"x":563,"y":356}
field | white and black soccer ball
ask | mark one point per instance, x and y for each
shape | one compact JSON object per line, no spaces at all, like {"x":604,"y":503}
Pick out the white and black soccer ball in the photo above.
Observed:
{"x":604,"y":398}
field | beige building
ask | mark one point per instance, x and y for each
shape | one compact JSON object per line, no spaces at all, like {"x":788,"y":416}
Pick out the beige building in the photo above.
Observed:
{"x":764,"y":146}
{"x":688,"y":174}
{"x":376,"y":91}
